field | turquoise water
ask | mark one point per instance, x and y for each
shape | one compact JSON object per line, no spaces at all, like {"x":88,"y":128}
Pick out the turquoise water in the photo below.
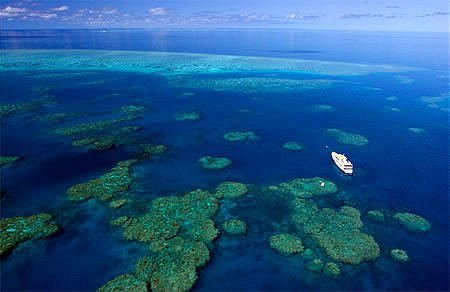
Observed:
{"x":275,"y":93}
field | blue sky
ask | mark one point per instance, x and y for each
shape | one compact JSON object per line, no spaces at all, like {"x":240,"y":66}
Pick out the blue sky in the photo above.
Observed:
{"x":389,"y":15}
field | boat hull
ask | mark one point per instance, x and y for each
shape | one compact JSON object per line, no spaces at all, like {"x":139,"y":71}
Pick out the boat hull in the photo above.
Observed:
{"x":346,"y":167}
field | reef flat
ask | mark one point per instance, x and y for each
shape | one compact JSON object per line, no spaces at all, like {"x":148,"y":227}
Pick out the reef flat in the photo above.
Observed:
{"x":169,"y":64}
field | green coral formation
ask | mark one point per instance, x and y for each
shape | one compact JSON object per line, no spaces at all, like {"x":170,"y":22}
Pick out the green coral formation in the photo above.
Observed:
{"x":338,"y":233}
{"x":118,"y":180}
{"x":413,"y":222}
{"x":187,"y":116}
{"x":440,"y":101}
{"x":118,"y":203}
{"x":169,"y":216}
{"x":308,"y":187}
{"x":376,"y":215}
{"x":178,"y":231}
{"x":293,"y":146}
{"x":416,"y":130}
{"x":348,"y":138}
{"x":241,"y":136}
{"x":210,"y":162}
{"x":231,"y":190}
{"x":133,"y":110}
{"x":286,"y":243}
{"x":332,"y":270}
{"x":126,"y":282}
{"x":316,"y":265}
{"x":399,"y":255}
{"x":15,"y":230}
{"x":105,"y":142}
{"x":235,"y":226}
{"x":4,"y":160}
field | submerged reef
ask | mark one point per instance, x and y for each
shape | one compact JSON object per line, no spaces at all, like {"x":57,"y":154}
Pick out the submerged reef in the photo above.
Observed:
{"x":338,"y":232}
{"x":413,"y":222}
{"x":15,"y":230}
{"x":348,"y":138}
{"x":4,"y":160}
{"x":179,"y":232}
{"x":440,"y":101}
{"x":173,"y":64}
{"x":117,"y":203}
{"x":57,"y":117}
{"x":392,"y":98}
{"x":235,"y":226}
{"x":252,"y":84}
{"x":149,"y":150}
{"x":126,"y":282}
{"x":332,"y":270}
{"x":416,"y":130}
{"x":128,"y":113}
{"x":118,"y":180}
{"x":316,"y":265}
{"x":8,"y":109}
{"x":187,"y":116}
{"x":241,"y":136}
{"x":399,"y":255}
{"x":286,"y":243}
{"x":376,"y":215}
{"x":210,"y":162}
{"x":307,"y":187}
{"x":231,"y":190}
{"x":322,"y":108}
{"x":293,"y":146}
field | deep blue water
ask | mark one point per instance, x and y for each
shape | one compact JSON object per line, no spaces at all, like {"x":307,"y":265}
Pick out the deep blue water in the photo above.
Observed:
{"x":397,"y":170}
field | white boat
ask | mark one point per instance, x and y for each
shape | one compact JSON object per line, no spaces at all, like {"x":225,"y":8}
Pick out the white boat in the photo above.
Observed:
{"x":342,"y":162}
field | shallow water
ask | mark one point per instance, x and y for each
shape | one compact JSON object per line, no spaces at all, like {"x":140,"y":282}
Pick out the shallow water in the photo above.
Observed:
{"x":397,"y":170}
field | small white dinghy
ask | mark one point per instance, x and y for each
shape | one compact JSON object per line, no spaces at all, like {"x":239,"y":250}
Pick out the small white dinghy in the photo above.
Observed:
{"x":342,"y":162}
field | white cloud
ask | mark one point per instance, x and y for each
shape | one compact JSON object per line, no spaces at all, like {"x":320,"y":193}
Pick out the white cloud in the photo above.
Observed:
{"x":10,"y":11}
{"x":43,"y":15}
{"x":158,"y":11}
{"x":60,"y":8}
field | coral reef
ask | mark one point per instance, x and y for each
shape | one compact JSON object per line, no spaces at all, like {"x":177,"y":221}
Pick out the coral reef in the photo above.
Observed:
{"x":4,"y":160}
{"x":332,"y":270}
{"x":392,"y":98}
{"x":235,"y":226}
{"x":15,"y":230}
{"x":240,"y":136}
{"x":316,"y":265}
{"x":348,"y":138}
{"x":399,"y":255}
{"x":322,"y":108}
{"x":187,"y":116}
{"x":308,"y":187}
{"x":339,"y":233}
{"x":416,"y":130}
{"x":117,"y":203}
{"x":126,"y":282}
{"x":286,"y":243}
{"x":178,"y":231}
{"x":231,"y":190}
{"x":57,"y":117}
{"x":210,"y":162}
{"x":8,"y":109}
{"x":293,"y":146}
{"x":150,"y":149}
{"x":375,"y":215}
{"x":119,"y":179}
{"x":413,"y":222}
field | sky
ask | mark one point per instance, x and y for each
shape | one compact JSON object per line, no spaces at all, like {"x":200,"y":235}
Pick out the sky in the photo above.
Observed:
{"x":379,"y":15}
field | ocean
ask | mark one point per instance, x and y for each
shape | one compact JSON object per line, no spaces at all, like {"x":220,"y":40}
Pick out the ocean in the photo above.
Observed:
{"x":385,"y":97}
